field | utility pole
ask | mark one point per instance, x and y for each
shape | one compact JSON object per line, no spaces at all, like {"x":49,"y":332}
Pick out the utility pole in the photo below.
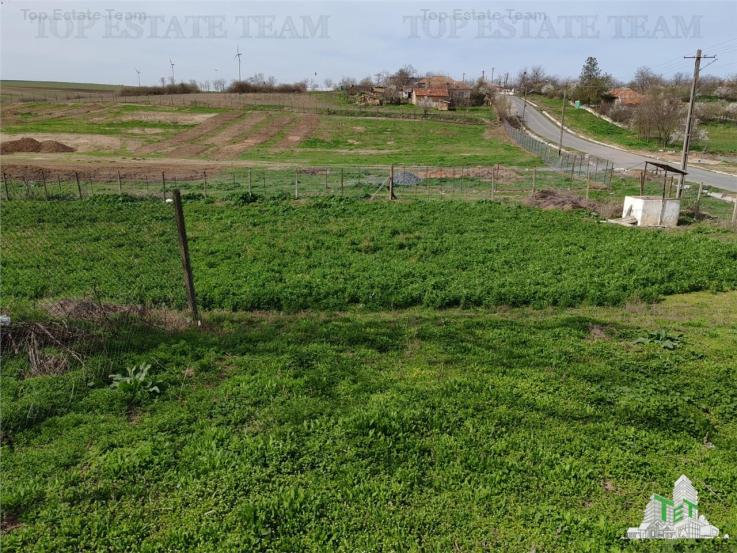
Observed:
{"x":524,"y":103}
{"x":689,"y":118}
{"x":563,"y":117}
{"x":492,"y":75}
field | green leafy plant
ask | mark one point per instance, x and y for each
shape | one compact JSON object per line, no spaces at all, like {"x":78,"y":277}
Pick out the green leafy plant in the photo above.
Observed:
{"x":135,"y":384}
{"x":662,"y":338}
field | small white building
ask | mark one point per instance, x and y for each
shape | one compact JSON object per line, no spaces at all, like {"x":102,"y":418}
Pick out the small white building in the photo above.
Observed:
{"x":652,"y":211}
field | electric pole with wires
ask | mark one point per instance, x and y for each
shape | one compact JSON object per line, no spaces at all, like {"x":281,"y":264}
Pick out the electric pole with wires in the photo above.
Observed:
{"x":689,"y":118}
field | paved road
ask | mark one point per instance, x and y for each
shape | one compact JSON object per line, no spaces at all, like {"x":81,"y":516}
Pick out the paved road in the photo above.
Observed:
{"x":544,"y":127}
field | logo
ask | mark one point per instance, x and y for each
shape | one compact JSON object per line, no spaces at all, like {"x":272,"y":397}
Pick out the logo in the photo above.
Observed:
{"x":673,"y":519}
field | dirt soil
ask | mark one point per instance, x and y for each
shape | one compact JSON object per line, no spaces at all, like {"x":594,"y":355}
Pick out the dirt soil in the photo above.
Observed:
{"x":303,"y":129}
{"x":80,"y":142}
{"x":277,"y":123}
{"x":557,"y":199}
{"x":27,"y":144}
{"x":185,"y":137}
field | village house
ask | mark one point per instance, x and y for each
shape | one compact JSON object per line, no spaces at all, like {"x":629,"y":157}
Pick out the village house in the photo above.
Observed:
{"x":436,"y":98}
{"x":623,"y":96}
{"x":440,"y":92}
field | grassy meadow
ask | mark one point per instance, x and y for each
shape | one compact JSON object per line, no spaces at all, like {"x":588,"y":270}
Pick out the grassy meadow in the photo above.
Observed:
{"x":452,"y":371}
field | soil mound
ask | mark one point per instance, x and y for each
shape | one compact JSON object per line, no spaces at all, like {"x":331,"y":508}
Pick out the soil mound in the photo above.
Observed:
{"x":32,"y":145}
{"x":558,"y":199}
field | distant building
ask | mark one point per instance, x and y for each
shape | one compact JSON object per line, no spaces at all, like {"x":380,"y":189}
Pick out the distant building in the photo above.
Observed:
{"x":623,"y":96}
{"x":440,"y":92}
{"x":435,"y":98}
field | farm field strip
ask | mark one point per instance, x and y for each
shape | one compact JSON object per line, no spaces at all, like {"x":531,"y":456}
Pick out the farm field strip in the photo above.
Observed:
{"x":330,"y":253}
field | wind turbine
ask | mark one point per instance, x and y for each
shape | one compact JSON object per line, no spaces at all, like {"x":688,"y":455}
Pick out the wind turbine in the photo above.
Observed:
{"x":238,"y":55}
{"x":139,"y":77}
{"x":172,"y":69}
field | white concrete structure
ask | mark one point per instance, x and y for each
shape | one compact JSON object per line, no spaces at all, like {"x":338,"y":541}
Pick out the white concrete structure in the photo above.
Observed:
{"x":652,"y":211}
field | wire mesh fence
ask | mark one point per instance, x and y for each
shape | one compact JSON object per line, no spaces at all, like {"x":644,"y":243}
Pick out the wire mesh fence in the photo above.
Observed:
{"x":407,"y":181}
{"x":578,"y":164}
{"x":582,"y":179}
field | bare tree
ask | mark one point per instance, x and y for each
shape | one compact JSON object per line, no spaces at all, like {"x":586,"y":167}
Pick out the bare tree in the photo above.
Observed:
{"x":218,"y":85}
{"x":659,"y":116}
{"x":645,"y":79}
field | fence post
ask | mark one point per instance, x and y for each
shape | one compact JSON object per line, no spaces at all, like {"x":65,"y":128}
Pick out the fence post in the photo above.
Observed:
{"x":642,"y":183}
{"x":296,"y":186}
{"x":79,"y":186}
{"x":204,"y":182}
{"x":184,"y":254}
{"x":120,"y":185}
{"x":698,"y":197}
{"x":5,"y":184}
{"x":391,"y":183}
{"x":43,"y":180}
{"x":493,"y":184}
{"x":341,"y":181}
{"x":534,"y":181}
{"x":734,"y":212}
{"x":326,"y":179}
{"x":573,"y":167}
{"x":163,"y":184}
{"x":58,"y":182}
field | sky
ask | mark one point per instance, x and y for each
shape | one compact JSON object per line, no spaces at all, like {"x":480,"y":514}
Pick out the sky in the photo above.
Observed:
{"x":105,"y":42}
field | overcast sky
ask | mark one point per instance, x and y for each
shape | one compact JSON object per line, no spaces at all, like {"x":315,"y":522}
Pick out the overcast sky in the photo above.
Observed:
{"x":106,"y":42}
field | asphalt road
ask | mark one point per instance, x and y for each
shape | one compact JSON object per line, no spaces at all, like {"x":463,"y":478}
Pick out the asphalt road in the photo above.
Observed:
{"x":544,"y":127}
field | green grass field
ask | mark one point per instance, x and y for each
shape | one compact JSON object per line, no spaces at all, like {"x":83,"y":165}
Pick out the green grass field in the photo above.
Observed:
{"x":365,"y":140}
{"x":439,"y":373}
{"x":357,"y":429}
{"x":332,"y":253}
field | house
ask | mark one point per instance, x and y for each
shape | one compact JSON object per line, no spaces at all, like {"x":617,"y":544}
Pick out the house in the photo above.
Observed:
{"x":623,"y":96}
{"x":436,"y":98}
{"x":457,"y":93}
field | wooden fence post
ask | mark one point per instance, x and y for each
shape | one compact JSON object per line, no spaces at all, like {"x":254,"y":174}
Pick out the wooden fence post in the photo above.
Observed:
{"x":184,"y":254}
{"x":296,"y":186}
{"x":573,"y":167}
{"x":120,"y":185}
{"x":163,"y":184}
{"x":734,"y":213}
{"x":58,"y":182}
{"x":5,"y":185}
{"x":534,"y":182}
{"x":326,"y":179}
{"x":204,"y":182}
{"x":79,"y":186}
{"x":493,"y":183}
{"x":43,"y":180}
{"x":391,"y":183}
{"x":249,"y":180}
{"x":341,"y":181}
{"x":642,"y":183}
{"x":698,"y":196}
